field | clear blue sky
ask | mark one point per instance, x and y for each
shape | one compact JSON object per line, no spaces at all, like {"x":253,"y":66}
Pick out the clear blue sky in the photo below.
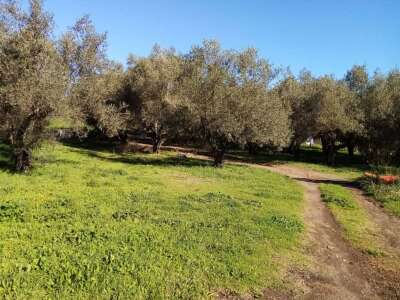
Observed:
{"x":324,"y":36}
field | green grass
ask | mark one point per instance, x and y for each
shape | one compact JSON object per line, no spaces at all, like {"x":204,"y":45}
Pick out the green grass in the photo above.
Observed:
{"x":345,"y":166}
{"x":387,"y":195}
{"x":5,"y":157}
{"x":353,"y":219}
{"x":90,"y":224}
{"x":345,"y":172}
{"x":311,"y":158}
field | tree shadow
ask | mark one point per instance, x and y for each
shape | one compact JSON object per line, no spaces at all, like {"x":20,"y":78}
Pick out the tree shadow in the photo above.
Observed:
{"x":343,"y":183}
{"x":7,"y":165}
{"x":53,"y":160}
{"x":309,"y":155}
{"x":91,"y":144}
{"x":5,"y":158}
{"x":106,"y":150}
{"x":150,"y":160}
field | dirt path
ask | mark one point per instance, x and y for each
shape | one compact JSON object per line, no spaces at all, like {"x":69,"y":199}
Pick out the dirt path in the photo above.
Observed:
{"x":337,"y":272}
{"x":388,"y":225}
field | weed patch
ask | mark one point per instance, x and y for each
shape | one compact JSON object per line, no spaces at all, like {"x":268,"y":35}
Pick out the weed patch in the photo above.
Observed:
{"x":11,"y":212}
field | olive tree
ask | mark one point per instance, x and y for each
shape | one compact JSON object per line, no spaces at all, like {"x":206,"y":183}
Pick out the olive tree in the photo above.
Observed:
{"x":154,"y":82}
{"x":225,"y":92}
{"x":357,"y":80}
{"x":394,"y":90}
{"x":265,"y":119}
{"x":32,"y":78}
{"x":336,"y":114}
{"x":95,"y":82}
{"x":296,"y":95}
{"x":322,"y":108}
{"x":380,"y":139}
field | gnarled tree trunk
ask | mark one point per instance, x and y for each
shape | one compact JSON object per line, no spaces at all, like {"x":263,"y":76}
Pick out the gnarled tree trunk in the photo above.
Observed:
{"x":252,"y":148}
{"x":22,"y":153}
{"x":350,"y":149}
{"x":28,"y":134}
{"x":328,"y":147}
{"x":219,"y":157}
{"x":157,"y":142}
{"x":156,"y":135}
{"x":350,"y":141}
{"x":294,"y":147}
{"x":22,"y":159}
{"x":218,"y":143}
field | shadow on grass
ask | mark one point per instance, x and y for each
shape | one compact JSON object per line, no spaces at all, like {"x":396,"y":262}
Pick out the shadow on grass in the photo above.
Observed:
{"x":343,"y":183}
{"x":305,"y":155}
{"x":5,"y":158}
{"x":106,"y":153}
{"x":47,"y":160}
{"x":7,"y":165}
{"x":154,"y":161}
{"x":91,"y":145}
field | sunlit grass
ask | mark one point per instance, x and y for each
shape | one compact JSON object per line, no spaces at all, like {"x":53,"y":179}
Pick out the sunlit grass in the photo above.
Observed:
{"x":345,"y":172}
{"x":356,"y":224}
{"x":387,"y":195}
{"x":360,"y":228}
{"x":89,"y":224}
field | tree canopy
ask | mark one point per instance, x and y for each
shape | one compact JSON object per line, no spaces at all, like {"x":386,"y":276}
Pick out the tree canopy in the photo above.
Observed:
{"x":154,"y":82}
{"x":226,"y":93}
{"x":211,"y":96}
{"x":32,"y":77}
{"x":95,"y":82}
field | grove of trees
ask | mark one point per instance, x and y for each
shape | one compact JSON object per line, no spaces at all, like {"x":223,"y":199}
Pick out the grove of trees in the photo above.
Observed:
{"x":211,"y":96}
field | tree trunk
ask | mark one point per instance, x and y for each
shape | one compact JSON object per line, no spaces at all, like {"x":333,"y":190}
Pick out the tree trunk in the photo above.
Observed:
{"x":397,"y":157}
{"x":350,"y":143}
{"x":123,"y":137}
{"x":23,"y":160}
{"x":157,"y":142}
{"x":252,"y":148}
{"x":293,"y":148}
{"x":324,"y":145}
{"x":156,"y":134}
{"x":219,"y":158}
{"x":10,"y":138}
{"x":350,"y":149}
{"x":328,"y":147}
{"x":331,"y":155}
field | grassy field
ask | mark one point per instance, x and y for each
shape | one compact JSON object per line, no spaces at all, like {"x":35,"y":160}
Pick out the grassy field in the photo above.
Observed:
{"x":92,"y":224}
